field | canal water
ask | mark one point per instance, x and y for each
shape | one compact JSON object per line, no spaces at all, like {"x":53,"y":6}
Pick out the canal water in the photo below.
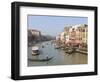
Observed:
{"x":59,"y":56}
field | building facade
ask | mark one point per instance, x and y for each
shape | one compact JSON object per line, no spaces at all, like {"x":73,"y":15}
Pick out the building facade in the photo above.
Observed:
{"x":34,"y":36}
{"x":77,"y":34}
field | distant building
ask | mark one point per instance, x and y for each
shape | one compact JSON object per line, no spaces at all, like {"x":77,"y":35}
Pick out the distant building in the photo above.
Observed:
{"x":67,"y":39}
{"x":62,"y":37}
{"x":81,"y":33}
{"x":85,"y":33}
{"x":34,"y":35}
{"x":67,"y":33}
{"x":58,"y":38}
{"x":72,"y":34}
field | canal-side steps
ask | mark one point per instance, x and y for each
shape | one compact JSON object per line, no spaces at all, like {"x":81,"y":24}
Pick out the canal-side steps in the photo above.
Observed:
{"x":71,"y":50}
{"x":81,"y":51}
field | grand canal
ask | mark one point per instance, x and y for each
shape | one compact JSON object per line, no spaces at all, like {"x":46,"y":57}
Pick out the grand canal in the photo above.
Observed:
{"x":59,"y":56}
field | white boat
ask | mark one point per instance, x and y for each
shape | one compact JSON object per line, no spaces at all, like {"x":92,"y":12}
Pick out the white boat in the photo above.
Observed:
{"x":56,"y":46}
{"x":35,"y":50}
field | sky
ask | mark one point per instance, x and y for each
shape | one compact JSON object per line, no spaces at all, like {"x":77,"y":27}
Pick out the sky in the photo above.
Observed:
{"x":53,"y":25}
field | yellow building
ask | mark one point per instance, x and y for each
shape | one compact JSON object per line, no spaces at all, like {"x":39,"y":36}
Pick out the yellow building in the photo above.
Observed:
{"x":84,"y":33}
{"x":76,"y":32}
{"x":67,"y":33}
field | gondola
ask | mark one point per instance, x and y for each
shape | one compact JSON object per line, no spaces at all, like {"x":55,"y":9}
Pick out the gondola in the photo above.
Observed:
{"x":40,"y":60}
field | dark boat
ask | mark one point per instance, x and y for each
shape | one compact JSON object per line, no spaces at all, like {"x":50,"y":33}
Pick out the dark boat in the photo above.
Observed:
{"x":42,"y":46}
{"x":40,"y":60}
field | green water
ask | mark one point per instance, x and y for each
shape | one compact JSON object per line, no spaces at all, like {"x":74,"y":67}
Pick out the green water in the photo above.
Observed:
{"x":59,"y":56}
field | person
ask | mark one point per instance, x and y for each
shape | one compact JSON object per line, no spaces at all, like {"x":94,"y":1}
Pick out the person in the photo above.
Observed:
{"x":47,"y":57}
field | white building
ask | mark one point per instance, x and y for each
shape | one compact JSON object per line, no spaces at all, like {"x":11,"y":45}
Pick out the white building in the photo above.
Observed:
{"x":62,"y":36}
{"x":67,"y":38}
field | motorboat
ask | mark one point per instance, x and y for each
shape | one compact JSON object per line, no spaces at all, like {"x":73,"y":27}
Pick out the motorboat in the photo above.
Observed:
{"x":35,"y":50}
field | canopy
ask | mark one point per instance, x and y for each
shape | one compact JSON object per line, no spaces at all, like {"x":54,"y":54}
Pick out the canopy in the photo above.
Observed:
{"x":35,"y":48}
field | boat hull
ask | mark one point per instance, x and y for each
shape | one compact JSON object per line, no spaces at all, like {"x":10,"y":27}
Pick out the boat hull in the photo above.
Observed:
{"x":40,"y":60}
{"x":35,"y":53}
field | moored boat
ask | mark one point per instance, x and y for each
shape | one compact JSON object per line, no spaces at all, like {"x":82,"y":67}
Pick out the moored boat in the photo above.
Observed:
{"x":69,"y":51}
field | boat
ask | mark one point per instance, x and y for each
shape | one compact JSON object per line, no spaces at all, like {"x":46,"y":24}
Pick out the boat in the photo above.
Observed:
{"x":35,"y":50}
{"x":70,"y":51}
{"x":40,"y":60}
{"x":42,"y":46}
{"x":56,"y":46}
{"x":63,"y":48}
